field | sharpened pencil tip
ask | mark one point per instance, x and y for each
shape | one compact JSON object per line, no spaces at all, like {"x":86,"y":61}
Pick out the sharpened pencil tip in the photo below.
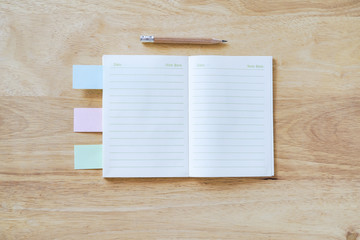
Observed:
{"x":224,"y":41}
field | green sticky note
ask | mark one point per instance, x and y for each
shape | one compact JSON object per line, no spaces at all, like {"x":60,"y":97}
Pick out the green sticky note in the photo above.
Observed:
{"x":88,"y":156}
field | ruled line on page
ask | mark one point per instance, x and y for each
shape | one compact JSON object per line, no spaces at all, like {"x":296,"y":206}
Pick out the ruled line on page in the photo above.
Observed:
{"x":225,"y":110}
{"x":223,"y":68}
{"x":231,"y":96}
{"x":134,"y":81}
{"x":141,"y":117}
{"x":225,"y":138}
{"x":227,"y":103}
{"x":115,"y":88}
{"x":122,"y":95}
{"x":169,"y":68}
{"x":229,"y":124}
{"x":147,"y":124}
{"x":231,"y":89}
{"x":167,"y":138}
{"x":231,"y":82}
{"x":146,"y":74}
{"x":229,"y":131}
{"x":232,"y":166}
{"x":149,"y":110}
{"x":225,"y":75}
{"x":239,"y":117}
{"x":144,"y":103}
{"x":147,"y":145}
{"x":237,"y":159}
{"x":229,"y":152}
{"x":152,"y":166}
{"x":144,"y":159}
{"x":228,"y":145}
{"x":145,"y":131}
{"x":146,"y":152}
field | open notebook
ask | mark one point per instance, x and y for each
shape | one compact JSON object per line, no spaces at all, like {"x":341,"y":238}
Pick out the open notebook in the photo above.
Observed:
{"x":180,"y":116}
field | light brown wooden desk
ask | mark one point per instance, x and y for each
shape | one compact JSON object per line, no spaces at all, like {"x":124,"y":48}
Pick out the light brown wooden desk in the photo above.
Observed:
{"x":316,"y":191}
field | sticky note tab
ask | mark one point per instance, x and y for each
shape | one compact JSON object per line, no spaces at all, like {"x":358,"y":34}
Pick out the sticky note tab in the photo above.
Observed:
{"x":87,"y":76}
{"x":87,"y":119}
{"x":88,"y":156}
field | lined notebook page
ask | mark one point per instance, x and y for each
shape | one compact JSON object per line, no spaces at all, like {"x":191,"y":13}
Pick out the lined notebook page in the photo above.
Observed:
{"x":145,"y":116}
{"x":230,"y":116}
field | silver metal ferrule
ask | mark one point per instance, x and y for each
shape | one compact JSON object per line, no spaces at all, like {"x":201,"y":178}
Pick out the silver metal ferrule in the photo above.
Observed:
{"x":147,"y":39}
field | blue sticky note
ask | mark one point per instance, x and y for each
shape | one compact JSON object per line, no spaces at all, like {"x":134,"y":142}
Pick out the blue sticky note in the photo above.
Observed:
{"x":87,"y":77}
{"x":88,"y":156}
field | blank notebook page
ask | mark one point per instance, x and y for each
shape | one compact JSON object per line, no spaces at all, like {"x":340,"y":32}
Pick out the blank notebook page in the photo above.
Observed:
{"x":230,"y":116}
{"x":145,"y":116}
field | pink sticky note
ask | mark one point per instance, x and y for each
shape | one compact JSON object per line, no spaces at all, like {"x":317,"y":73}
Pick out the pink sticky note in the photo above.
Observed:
{"x":87,"y":119}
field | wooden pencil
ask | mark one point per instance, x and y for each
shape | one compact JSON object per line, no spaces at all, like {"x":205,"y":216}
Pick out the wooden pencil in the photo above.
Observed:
{"x":153,"y":39}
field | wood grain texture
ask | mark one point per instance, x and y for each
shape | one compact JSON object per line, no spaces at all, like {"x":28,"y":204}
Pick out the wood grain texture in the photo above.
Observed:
{"x":316,"y":191}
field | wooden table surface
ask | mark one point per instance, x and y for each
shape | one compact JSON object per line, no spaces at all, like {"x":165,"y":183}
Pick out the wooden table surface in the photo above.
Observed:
{"x":316,"y":191}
